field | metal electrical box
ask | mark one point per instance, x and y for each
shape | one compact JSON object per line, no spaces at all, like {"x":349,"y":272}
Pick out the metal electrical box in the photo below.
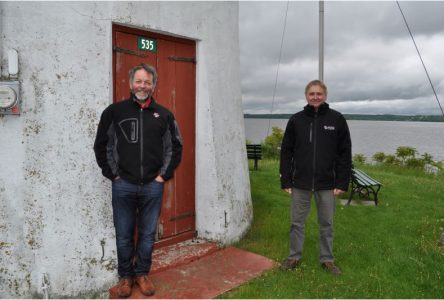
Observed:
{"x":9,"y":98}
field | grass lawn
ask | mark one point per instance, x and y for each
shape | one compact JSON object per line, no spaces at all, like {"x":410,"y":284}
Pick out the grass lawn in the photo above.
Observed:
{"x":389,"y":251}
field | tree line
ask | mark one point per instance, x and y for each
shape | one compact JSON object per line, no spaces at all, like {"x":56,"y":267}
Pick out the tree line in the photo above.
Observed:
{"x":383,"y":117}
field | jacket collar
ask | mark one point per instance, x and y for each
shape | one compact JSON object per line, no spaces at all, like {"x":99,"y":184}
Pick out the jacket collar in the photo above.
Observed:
{"x":150,"y":106}
{"x":309,"y":110}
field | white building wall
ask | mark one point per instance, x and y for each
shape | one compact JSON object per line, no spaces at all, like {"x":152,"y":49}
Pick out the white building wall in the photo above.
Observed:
{"x":55,"y":207}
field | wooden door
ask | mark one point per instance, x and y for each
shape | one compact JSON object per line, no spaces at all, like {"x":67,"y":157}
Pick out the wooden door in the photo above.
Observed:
{"x":174,"y":59}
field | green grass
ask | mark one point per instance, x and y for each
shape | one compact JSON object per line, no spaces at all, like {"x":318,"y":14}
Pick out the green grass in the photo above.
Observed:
{"x":389,"y":251}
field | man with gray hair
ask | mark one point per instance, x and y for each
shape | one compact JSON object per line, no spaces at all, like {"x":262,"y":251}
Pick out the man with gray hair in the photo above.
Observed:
{"x":315,"y":161}
{"x":138,"y":146}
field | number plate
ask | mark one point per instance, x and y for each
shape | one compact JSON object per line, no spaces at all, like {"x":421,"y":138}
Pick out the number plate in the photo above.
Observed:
{"x":147,"y":44}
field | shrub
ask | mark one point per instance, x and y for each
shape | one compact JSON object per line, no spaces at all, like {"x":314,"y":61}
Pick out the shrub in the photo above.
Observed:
{"x":414,"y":163}
{"x":427,"y":158}
{"x":379,"y":157}
{"x":269,"y":152}
{"x":403,"y":153}
{"x":404,"y":157}
{"x":359,"y":159}
{"x":391,"y":160}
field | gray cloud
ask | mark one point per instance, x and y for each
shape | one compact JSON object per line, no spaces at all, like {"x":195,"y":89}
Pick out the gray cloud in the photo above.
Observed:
{"x":370,"y":59}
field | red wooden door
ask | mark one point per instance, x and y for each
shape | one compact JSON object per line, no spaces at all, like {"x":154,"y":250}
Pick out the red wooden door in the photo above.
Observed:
{"x":175,"y":62}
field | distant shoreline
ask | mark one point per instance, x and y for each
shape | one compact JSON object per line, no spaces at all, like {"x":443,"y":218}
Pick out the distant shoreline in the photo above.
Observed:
{"x":417,"y":118}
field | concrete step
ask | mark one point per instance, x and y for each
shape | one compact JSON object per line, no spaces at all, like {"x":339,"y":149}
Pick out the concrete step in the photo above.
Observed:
{"x":196,"y":270}
{"x":180,"y":254}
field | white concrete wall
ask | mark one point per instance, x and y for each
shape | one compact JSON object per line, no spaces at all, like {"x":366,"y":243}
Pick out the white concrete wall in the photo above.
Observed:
{"x":55,"y":207}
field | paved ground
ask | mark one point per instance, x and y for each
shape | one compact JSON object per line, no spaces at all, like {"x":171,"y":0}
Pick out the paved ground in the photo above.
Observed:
{"x":197,"y":270}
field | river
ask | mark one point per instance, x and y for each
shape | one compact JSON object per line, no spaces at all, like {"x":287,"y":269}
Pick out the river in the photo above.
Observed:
{"x":369,"y":137}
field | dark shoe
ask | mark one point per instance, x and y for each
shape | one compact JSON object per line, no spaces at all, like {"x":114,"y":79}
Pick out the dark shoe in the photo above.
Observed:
{"x":145,"y":285}
{"x":290,"y":263}
{"x":124,"y":287}
{"x":330,"y":267}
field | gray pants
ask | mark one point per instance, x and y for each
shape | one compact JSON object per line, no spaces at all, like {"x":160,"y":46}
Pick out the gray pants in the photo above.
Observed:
{"x":300,"y":207}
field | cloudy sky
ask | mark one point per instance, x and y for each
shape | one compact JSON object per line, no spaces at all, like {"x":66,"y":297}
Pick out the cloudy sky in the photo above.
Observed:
{"x":371,"y":64}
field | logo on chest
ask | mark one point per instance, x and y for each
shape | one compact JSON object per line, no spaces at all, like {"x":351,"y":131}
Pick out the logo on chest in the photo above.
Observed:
{"x":329,"y":127}
{"x":156,"y":115}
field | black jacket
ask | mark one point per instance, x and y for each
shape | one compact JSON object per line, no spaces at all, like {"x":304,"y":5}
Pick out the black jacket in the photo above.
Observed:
{"x":137,"y":144}
{"x":316,"y":150}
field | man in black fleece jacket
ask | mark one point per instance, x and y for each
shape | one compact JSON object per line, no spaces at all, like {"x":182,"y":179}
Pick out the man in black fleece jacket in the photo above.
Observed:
{"x":138,"y":146}
{"x":315,"y":159}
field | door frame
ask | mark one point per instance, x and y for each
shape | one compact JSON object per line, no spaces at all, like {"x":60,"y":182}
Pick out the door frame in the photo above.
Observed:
{"x":138,"y":31}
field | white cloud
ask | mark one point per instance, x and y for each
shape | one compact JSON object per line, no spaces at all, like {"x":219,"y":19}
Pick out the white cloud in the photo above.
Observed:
{"x":418,"y":106}
{"x":370,"y":59}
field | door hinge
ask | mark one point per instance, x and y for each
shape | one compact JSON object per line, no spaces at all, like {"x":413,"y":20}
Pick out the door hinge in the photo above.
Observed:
{"x":182,"y":216}
{"x":183,"y":59}
{"x":128,"y":51}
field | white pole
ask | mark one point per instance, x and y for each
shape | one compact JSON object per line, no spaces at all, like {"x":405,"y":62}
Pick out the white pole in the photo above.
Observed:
{"x":321,"y":40}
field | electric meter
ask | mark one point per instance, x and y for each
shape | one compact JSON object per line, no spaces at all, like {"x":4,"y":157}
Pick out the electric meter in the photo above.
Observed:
{"x":8,"y":97}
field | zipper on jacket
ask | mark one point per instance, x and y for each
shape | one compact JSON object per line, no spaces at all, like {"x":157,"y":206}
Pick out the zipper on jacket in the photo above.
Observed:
{"x":314,"y":148}
{"x":311,"y":132}
{"x":141,"y":145}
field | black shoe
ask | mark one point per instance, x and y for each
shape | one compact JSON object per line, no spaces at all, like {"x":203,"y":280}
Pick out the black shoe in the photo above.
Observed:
{"x":290,"y":264}
{"x":330,"y":267}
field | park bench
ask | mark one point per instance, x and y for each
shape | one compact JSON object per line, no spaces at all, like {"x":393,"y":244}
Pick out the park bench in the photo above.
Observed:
{"x":364,"y":186}
{"x":254,"y":151}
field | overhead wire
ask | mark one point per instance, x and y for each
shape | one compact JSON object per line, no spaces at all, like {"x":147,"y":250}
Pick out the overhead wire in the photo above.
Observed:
{"x":277,"y":71}
{"x":420,"y":57}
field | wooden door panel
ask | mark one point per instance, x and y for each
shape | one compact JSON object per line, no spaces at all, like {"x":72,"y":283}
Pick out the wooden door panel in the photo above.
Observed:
{"x":165,"y":91}
{"x":184,"y":102}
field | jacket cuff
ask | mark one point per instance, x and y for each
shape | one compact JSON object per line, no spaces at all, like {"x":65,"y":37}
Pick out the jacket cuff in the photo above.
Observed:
{"x":342,"y":188}
{"x":109,"y":175}
{"x":286,"y":185}
{"x":165,"y":177}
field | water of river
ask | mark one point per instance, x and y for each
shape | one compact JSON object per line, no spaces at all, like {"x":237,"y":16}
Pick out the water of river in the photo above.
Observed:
{"x":369,"y":137}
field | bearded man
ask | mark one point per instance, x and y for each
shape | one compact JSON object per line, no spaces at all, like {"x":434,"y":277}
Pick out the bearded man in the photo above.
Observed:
{"x":138,"y":146}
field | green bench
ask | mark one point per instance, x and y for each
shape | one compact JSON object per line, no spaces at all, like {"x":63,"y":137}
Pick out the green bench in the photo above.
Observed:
{"x":254,"y":151}
{"x":363,"y":185}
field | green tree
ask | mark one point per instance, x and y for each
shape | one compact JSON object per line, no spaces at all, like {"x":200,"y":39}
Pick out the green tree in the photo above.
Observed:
{"x":275,"y":139}
{"x":272,"y":143}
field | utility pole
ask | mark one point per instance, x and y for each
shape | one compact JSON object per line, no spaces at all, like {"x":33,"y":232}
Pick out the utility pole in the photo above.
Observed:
{"x":321,"y":40}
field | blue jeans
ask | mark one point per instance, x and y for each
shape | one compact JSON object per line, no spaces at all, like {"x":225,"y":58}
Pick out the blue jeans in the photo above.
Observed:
{"x":131,"y":200}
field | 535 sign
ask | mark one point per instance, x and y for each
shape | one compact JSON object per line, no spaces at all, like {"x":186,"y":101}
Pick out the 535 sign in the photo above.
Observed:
{"x":147,"y":44}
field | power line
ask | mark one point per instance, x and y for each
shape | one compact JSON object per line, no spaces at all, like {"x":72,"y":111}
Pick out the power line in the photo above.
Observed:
{"x":419,"y":54}
{"x":277,"y":71}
